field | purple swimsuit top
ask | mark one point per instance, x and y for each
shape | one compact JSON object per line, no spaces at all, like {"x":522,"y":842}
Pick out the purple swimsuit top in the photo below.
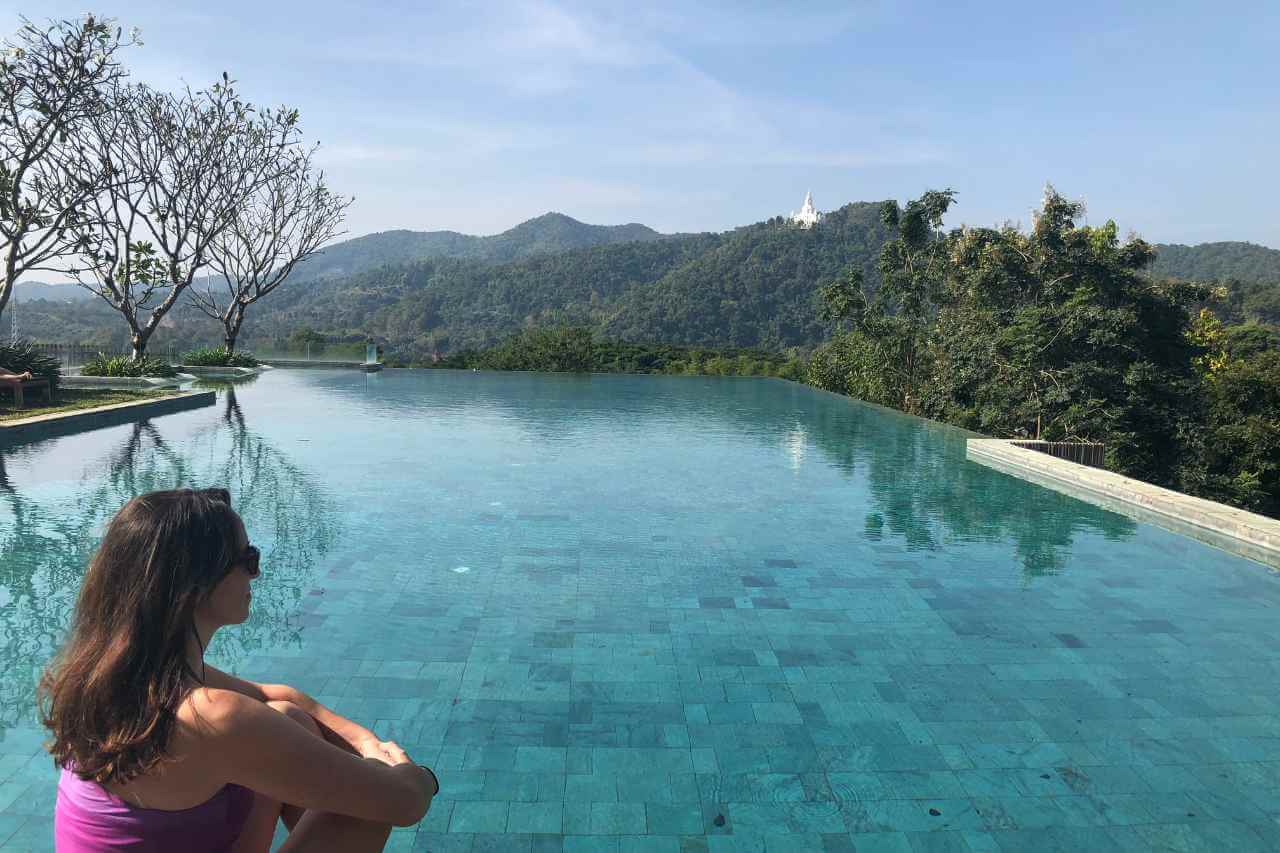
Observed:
{"x":90,"y":819}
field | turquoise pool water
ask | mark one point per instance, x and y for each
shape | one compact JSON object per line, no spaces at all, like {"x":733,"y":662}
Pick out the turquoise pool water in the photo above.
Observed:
{"x":686,"y":614}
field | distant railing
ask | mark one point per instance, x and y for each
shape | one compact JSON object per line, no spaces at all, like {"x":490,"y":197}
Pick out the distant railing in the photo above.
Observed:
{"x":1088,"y":453}
{"x":313,"y":352}
{"x":75,"y":355}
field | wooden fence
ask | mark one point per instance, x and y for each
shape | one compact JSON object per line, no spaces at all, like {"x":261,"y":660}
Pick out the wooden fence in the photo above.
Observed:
{"x":1081,"y":452}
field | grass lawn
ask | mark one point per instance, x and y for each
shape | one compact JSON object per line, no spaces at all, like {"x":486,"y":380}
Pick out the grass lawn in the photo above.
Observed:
{"x":72,"y":399}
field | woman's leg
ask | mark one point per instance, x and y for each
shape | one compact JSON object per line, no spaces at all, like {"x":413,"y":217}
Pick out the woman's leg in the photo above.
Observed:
{"x":259,"y":827}
{"x":325,"y":832}
{"x":308,"y":831}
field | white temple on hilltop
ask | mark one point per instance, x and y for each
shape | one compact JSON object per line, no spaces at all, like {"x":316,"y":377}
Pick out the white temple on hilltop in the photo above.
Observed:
{"x":808,"y":215}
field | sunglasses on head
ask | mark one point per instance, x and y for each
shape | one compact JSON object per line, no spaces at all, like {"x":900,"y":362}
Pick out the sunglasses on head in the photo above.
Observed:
{"x":251,"y":560}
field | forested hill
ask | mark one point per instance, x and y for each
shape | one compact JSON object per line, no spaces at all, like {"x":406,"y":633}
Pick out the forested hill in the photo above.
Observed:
{"x":752,"y":287}
{"x":52,"y":292}
{"x":757,"y":287}
{"x":1217,"y":262}
{"x":1250,"y":273}
{"x":546,"y":234}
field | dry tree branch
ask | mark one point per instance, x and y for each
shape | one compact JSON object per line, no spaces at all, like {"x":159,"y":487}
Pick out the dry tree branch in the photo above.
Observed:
{"x":285,"y":221}
{"x":53,"y":78}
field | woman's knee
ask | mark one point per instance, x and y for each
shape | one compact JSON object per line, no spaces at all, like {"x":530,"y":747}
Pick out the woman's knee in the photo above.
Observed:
{"x":296,"y":714}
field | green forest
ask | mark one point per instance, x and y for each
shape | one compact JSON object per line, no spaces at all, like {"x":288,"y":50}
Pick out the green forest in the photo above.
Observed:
{"x":1216,"y":262}
{"x":1059,"y":333}
{"x":576,"y":349}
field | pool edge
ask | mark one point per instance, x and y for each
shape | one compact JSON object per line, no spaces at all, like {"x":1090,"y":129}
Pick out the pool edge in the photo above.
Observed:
{"x":83,"y":420}
{"x":1237,"y":531}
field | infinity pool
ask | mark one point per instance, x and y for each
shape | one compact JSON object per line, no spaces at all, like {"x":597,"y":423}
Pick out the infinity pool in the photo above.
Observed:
{"x":688,"y":614}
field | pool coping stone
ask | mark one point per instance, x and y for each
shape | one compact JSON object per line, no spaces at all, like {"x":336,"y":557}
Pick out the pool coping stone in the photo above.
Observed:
{"x":62,"y":423}
{"x":1238,"y":531}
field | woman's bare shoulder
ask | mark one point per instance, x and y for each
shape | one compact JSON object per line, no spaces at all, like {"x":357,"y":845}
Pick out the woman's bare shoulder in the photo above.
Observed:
{"x":212,"y":711}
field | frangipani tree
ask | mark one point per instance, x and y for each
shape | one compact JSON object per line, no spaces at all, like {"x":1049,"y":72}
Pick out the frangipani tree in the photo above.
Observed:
{"x":54,"y":80}
{"x":283,"y":222}
{"x":182,"y":165}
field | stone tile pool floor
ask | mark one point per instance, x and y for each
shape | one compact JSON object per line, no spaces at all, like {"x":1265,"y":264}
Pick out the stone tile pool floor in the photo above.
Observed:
{"x":641,"y":614}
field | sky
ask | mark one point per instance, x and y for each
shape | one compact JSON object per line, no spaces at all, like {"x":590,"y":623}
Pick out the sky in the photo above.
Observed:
{"x":691,"y":116}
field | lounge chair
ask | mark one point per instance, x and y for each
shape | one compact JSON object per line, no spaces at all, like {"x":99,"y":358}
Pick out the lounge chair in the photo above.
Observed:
{"x":19,"y":386}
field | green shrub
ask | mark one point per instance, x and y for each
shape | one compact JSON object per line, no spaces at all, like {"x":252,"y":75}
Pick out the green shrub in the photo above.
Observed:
{"x":22,"y":356}
{"x":124,"y":366}
{"x":576,"y":349}
{"x":218,"y":357}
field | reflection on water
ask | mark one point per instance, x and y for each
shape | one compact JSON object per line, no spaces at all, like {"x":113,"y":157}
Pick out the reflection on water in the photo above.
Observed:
{"x":222,"y":383}
{"x":44,"y":554}
{"x":48,"y":537}
{"x":928,"y":494}
{"x":922,"y":489}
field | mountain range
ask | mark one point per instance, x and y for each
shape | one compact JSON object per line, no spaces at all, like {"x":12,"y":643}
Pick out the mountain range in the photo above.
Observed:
{"x":440,"y":291}
{"x":542,"y":235}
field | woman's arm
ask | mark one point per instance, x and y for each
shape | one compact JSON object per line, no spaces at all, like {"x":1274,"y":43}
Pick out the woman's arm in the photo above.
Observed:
{"x":256,"y":747}
{"x":337,"y":729}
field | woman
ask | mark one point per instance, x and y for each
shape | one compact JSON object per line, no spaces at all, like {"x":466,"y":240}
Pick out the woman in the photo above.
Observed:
{"x":161,"y":751}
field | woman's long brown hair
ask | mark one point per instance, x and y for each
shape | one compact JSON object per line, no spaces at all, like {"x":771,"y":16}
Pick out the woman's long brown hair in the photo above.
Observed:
{"x":111,"y":696}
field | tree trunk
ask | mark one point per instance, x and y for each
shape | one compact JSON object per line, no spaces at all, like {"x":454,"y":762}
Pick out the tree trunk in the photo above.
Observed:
{"x":231,"y":329}
{"x":138,"y":340}
{"x":142,"y":335}
{"x":10,"y":275}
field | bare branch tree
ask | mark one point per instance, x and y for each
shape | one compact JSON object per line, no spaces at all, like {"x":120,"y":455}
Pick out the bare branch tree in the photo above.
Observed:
{"x":182,"y":165}
{"x":52,"y":81}
{"x":286,"y":221}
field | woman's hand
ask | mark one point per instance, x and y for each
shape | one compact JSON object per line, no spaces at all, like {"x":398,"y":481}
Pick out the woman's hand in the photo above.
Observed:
{"x":386,"y":751}
{"x":390,"y":753}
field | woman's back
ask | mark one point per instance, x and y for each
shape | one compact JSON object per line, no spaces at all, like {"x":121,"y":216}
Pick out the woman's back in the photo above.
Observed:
{"x":178,"y":805}
{"x":89,"y":818}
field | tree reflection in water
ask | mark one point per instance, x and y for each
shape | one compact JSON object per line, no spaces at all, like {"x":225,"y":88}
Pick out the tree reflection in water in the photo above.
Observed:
{"x":44,"y":556}
{"x":46,"y":548}
{"x":925,"y":492}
